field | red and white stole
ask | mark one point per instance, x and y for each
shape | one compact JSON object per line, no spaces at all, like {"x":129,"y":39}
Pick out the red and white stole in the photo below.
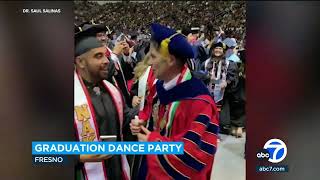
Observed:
{"x":87,"y":128}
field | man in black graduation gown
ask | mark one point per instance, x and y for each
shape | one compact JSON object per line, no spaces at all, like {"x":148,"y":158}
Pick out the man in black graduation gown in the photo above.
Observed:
{"x":117,"y":70}
{"x":92,"y":71}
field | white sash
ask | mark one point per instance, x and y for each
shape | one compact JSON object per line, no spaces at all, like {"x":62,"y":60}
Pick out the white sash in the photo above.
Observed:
{"x":118,"y":100}
{"x":213,"y":71}
{"x":142,"y":87}
{"x":87,"y":129}
{"x":206,"y":63}
{"x":218,"y":92}
{"x":84,"y":117}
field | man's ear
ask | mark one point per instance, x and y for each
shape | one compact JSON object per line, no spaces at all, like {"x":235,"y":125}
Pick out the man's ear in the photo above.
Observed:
{"x":80,"y":62}
{"x":171,"y":60}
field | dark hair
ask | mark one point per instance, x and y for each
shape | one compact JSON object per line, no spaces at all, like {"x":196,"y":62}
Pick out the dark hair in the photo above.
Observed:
{"x":181,"y":61}
{"x":186,"y":31}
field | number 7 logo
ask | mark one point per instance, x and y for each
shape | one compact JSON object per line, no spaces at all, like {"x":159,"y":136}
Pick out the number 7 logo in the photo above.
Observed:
{"x":277,"y":150}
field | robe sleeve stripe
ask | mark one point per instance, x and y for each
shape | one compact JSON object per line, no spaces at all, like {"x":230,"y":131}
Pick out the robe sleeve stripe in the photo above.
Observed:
{"x":213,"y":128}
{"x":203,"y":119}
{"x":195,"y":138}
{"x":215,"y":135}
{"x":210,"y":138}
{"x":192,"y":136}
{"x":209,"y":148}
{"x":192,"y":145}
{"x":179,"y":164}
{"x":191,"y":161}
{"x":169,"y":169}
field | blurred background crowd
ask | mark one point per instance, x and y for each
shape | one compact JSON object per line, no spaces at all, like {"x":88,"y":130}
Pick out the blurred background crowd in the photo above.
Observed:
{"x":130,"y":17}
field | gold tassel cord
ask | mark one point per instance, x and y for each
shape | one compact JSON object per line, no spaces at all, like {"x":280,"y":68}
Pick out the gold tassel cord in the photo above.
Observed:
{"x":164,"y":46}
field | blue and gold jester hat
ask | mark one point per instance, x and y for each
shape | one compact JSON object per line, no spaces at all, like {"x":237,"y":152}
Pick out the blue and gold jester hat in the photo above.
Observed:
{"x":171,"y":42}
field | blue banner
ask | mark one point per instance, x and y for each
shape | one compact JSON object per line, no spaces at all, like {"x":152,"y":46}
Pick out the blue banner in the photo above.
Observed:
{"x":74,"y":148}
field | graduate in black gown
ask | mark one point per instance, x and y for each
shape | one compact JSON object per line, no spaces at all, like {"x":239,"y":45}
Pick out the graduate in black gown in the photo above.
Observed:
{"x":91,"y":66}
{"x":222,"y":79}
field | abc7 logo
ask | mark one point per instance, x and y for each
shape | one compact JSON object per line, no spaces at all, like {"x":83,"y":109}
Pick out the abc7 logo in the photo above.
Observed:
{"x":263,"y":154}
{"x":274,"y":150}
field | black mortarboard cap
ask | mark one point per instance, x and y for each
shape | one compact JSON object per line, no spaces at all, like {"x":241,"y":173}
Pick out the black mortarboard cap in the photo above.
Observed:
{"x":85,"y":44}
